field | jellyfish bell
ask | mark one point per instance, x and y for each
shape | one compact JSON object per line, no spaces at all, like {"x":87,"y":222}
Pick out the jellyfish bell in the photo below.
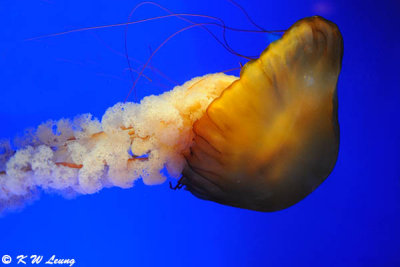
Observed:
{"x":272,"y":136}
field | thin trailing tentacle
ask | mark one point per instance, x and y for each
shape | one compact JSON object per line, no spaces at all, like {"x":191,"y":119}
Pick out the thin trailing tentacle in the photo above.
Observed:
{"x":179,"y":184}
{"x":246,"y":14}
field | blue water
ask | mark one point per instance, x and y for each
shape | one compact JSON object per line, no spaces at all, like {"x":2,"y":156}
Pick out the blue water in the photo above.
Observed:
{"x":352,"y":219}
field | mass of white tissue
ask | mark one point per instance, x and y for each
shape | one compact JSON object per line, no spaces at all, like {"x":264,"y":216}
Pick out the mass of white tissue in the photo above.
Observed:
{"x":131,"y":141}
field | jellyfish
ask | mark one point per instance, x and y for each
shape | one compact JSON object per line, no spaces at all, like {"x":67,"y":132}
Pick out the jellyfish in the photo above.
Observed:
{"x":262,"y":141}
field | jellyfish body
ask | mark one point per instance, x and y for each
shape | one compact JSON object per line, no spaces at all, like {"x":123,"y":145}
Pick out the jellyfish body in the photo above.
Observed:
{"x":273,"y":135}
{"x":262,"y":141}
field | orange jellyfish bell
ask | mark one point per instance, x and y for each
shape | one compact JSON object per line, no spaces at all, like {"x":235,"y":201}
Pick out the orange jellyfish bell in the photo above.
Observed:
{"x":273,"y":135}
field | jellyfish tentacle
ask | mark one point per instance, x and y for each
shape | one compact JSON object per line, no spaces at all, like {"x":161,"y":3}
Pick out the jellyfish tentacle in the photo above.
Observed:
{"x":178,"y":185}
{"x":246,"y":14}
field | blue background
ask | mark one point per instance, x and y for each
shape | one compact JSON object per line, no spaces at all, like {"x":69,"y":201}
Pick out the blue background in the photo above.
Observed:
{"x":352,"y":219}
